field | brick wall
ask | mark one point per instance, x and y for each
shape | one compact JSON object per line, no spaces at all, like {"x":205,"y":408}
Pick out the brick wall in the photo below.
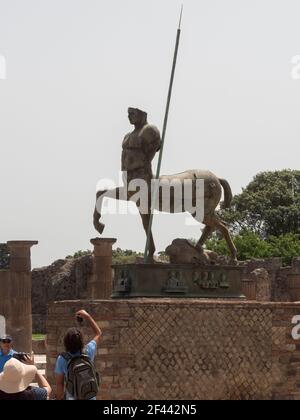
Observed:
{"x":188,"y":349}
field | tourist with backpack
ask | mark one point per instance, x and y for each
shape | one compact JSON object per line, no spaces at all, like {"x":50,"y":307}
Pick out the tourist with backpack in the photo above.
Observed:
{"x":76,"y":377}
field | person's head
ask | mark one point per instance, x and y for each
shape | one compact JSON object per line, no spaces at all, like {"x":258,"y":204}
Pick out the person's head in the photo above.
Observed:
{"x":16,"y":376}
{"x":6,"y":344}
{"x":136,"y":116}
{"x":73,"y":341}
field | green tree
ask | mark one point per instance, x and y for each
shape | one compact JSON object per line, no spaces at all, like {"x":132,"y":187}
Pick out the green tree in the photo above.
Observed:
{"x":285,"y":246}
{"x":251,"y":245}
{"x":268,"y":206}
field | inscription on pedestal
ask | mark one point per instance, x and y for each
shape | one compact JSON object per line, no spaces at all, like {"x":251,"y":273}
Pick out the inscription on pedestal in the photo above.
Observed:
{"x":123,"y":282}
{"x":211,"y":280}
{"x":176,"y":283}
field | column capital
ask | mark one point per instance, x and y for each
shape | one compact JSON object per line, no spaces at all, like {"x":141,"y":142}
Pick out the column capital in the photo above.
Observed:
{"x":100,"y":241}
{"x":20,"y":255}
{"x":21,"y":244}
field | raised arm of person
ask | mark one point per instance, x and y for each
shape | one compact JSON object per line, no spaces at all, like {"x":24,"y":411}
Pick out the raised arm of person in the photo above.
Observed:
{"x":43,"y":383}
{"x":92,"y":323}
{"x":40,"y":379}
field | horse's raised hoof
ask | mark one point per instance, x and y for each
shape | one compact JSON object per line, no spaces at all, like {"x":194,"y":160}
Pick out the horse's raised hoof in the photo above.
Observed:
{"x":99,"y":227}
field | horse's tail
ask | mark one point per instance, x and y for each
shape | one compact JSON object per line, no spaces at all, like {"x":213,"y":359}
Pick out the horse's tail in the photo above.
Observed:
{"x":226,"y":204}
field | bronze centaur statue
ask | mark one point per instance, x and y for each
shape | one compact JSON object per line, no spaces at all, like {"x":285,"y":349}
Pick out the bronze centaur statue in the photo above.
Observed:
{"x":139,"y":149}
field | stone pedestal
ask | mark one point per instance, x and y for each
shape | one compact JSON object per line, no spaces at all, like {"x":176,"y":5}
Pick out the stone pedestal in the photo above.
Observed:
{"x":101,"y":279}
{"x":18,"y":294}
{"x":177,"y":280}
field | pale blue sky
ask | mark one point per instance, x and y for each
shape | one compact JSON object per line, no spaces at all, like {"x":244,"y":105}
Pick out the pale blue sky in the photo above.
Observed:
{"x":73,"y":67}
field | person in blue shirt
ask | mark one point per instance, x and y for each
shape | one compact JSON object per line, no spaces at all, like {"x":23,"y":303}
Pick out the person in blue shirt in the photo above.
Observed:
{"x":6,"y":350}
{"x":74,"y":345}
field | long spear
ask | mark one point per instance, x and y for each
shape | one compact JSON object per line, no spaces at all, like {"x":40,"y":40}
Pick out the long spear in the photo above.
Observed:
{"x":153,"y":201}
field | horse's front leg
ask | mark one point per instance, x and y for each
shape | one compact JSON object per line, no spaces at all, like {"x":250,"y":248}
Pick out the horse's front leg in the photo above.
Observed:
{"x":119,"y":193}
{"x":97,"y":213}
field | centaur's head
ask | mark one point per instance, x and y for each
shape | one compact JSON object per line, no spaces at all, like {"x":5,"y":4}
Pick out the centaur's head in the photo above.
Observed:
{"x":137,"y":117}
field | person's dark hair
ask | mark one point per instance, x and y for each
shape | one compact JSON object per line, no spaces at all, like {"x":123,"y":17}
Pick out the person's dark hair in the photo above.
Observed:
{"x":73,"y":341}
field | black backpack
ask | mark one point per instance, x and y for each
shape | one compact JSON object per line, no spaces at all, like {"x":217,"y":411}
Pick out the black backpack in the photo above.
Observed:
{"x":82,"y":380}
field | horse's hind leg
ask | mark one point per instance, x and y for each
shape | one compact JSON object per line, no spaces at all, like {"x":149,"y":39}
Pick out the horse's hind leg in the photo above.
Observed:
{"x":207,"y":231}
{"x":225,"y":232}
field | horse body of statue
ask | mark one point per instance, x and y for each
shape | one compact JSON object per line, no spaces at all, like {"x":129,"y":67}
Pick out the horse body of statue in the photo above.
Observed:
{"x":197,"y":192}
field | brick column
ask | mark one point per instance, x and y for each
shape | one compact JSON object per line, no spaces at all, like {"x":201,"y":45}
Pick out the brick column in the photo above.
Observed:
{"x":19,"y":320}
{"x":101,"y":279}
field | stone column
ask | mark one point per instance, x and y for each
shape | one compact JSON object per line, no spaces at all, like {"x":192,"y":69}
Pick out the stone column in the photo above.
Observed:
{"x":19,"y":320}
{"x":261,"y":278}
{"x":101,"y":279}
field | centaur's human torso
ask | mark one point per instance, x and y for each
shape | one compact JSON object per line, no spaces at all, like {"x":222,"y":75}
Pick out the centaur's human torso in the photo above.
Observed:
{"x":139,"y":148}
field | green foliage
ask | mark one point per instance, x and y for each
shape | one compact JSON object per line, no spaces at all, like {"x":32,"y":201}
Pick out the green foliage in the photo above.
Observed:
{"x":80,"y":254}
{"x":38,"y":337}
{"x":120,"y":256}
{"x":4,"y":257}
{"x":285,"y":246}
{"x":125,"y":256}
{"x":250,"y":245}
{"x":268,"y":206}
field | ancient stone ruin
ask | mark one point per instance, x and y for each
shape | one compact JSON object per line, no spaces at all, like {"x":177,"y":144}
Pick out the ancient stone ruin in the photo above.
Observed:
{"x":15,"y":296}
